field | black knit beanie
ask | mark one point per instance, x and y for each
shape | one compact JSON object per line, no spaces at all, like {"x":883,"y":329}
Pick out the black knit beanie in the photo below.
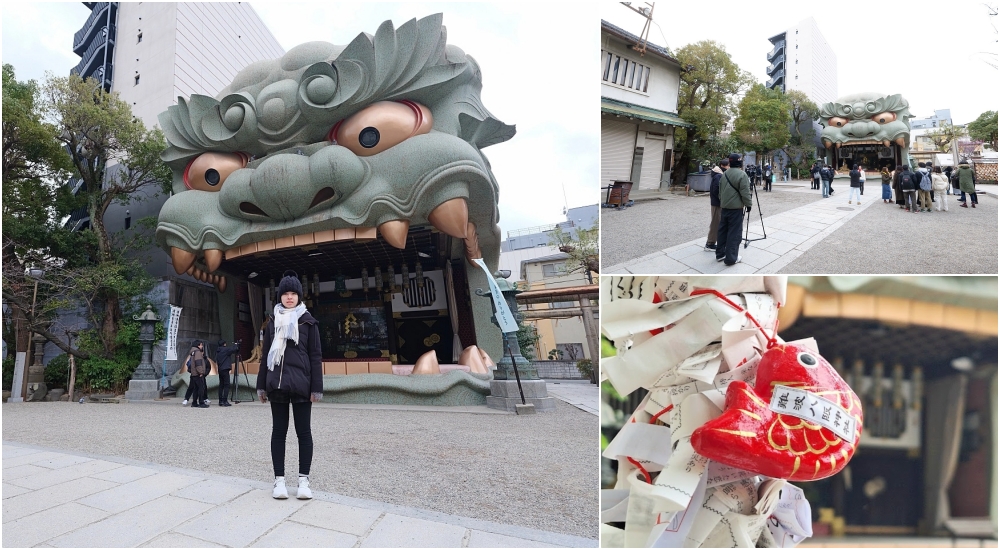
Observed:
{"x":290,"y":283}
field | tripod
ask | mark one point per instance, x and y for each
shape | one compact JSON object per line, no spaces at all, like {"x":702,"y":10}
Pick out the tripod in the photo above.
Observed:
{"x":236,"y":378}
{"x":746,"y":239}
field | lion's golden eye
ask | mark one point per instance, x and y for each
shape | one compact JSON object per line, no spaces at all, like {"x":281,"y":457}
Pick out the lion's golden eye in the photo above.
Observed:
{"x":837,"y":121}
{"x":208,"y":171}
{"x":380,"y":126}
{"x":884,"y":118}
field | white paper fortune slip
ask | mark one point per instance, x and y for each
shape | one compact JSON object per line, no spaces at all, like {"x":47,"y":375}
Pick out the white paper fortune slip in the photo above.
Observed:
{"x":809,"y":406}
{"x":791,"y":521}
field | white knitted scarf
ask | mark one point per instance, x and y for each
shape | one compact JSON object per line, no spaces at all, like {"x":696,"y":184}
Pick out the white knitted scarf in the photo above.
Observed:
{"x":286,"y":327}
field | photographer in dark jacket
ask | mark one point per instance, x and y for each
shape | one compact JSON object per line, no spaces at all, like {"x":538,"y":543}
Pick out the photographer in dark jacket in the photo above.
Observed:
{"x":223,"y":358}
{"x":713,"y":195}
{"x":292,"y":373}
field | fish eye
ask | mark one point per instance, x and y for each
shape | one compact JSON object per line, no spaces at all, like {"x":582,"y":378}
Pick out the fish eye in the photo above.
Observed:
{"x":208,"y":171}
{"x":380,"y":126}
{"x":807,"y":360}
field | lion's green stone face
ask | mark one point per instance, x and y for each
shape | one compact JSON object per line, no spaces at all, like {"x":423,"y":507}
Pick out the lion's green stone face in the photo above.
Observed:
{"x":865,"y":117}
{"x":381,"y":131}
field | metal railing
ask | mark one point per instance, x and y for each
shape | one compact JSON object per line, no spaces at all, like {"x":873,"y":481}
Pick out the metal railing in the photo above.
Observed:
{"x":777,"y":48}
{"x":775,"y":78}
{"x":88,"y":57}
{"x":777,"y":63}
{"x":82,"y":34}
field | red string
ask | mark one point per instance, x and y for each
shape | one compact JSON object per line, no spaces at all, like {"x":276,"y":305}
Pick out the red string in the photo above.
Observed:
{"x":771,"y":341}
{"x":635,"y":463}
{"x":657,"y":415}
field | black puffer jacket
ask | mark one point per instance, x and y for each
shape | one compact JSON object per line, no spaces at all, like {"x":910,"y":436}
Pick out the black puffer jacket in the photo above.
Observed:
{"x":301,"y":371}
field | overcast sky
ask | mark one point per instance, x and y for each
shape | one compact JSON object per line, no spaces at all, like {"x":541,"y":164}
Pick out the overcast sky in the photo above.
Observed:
{"x":880,"y":46}
{"x":539,"y":67}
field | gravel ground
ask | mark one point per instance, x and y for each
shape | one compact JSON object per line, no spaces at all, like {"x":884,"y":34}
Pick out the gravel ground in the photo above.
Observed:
{"x":536,"y":471}
{"x":885,"y":239}
{"x":657,"y":224}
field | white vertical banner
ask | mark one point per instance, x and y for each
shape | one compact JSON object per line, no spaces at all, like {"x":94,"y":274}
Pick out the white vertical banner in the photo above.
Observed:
{"x":504,"y":317}
{"x":172,"y":324}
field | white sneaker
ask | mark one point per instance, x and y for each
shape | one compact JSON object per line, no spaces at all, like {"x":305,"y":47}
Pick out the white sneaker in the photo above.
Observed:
{"x":208,"y":401}
{"x":303,"y":493}
{"x":279,"y":488}
{"x":185,"y":402}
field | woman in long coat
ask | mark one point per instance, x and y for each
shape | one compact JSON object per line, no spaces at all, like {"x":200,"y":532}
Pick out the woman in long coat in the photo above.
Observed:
{"x":967,"y":183}
{"x":886,"y":185}
{"x":900,"y":197}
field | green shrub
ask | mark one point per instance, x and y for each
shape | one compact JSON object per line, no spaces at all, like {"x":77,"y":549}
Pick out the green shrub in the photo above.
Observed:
{"x":100,"y":374}
{"x":8,"y":373}
{"x":586,"y":368}
{"x":57,"y":372}
{"x":555,"y":354}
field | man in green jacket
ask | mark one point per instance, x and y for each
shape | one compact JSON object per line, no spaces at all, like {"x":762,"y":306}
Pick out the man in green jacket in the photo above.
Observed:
{"x":734,"y":196}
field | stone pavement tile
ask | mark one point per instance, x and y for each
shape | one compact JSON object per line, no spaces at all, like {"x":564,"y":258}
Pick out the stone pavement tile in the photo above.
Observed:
{"x":738,"y":269}
{"x":62,"y":461}
{"x":686,"y":251}
{"x":27,"y":459}
{"x":780,"y":247}
{"x":807,"y":231}
{"x":690,"y":272}
{"x":402,"y":532}
{"x":788,"y":237}
{"x":37,"y":500}
{"x":13,"y":490}
{"x":17,"y":473}
{"x":657,"y":265}
{"x":61,"y":475}
{"x":40,"y":527}
{"x":757,"y":258}
{"x":212,"y":492}
{"x":177,"y":540}
{"x":328,"y":515}
{"x":133,"y":526}
{"x":482,"y":539}
{"x":136,"y":492}
{"x":243,"y":520}
{"x":11,"y":450}
{"x":704,"y":264}
{"x":785,"y":259}
{"x":125,"y":474}
{"x":297,"y":535}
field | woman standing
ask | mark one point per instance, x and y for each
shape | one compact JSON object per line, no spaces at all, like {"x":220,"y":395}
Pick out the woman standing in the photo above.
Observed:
{"x":856,"y":175}
{"x":886,"y":184}
{"x":940,"y":184}
{"x":294,"y":376}
{"x":967,"y":184}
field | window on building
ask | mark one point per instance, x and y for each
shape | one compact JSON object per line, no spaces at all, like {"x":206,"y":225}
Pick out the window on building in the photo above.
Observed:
{"x":552,"y":270}
{"x":571,"y":352}
{"x":138,"y":38}
{"x":136,"y":80}
{"x":796,"y":31}
{"x":624,"y":72}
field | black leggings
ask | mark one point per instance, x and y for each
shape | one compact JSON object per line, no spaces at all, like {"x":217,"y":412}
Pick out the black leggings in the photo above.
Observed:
{"x":279,"y":429}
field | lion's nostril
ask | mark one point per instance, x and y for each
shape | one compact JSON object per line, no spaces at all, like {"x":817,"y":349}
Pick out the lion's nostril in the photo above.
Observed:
{"x":323,"y":195}
{"x":251,"y":208}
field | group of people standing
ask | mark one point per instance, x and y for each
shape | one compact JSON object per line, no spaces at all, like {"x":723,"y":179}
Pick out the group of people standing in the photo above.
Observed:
{"x":915,"y":191}
{"x":199,"y":368}
{"x":730,"y":196}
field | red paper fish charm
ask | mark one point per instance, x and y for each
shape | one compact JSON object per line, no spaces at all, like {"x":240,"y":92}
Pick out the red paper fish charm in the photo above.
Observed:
{"x":801,"y":445}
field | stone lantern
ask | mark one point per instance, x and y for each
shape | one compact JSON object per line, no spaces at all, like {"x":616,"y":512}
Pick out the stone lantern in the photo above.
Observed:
{"x":144,"y":384}
{"x":504,"y":391}
{"x":36,"y":372}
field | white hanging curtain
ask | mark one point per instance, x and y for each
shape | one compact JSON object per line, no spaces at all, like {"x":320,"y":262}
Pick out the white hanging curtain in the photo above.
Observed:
{"x":449,"y":283}
{"x":945,"y":414}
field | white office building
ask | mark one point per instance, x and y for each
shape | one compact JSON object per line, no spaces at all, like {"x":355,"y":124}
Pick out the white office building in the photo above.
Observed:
{"x":802,"y":59}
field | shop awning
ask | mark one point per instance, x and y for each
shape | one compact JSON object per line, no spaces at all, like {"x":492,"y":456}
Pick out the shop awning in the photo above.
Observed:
{"x":630,"y":110}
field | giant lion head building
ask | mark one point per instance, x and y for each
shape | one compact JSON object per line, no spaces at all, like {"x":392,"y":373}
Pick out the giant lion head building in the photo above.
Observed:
{"x":361,"y":168}
{"x":868,"y":128}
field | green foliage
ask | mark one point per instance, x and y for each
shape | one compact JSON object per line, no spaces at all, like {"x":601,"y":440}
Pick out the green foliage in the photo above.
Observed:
{"x":99,"y":374}
{"x":763,"y":120}
{"x":8,"y":373}
{"x":943,"y":136}
{"x":610,"y":391}
{"x":527,"y":338}
{"x":710,"y":81}
{"x":583,"y":247}
{"x":984,"y":129}
{"x":555,"y":354}
{"x":57,"y":371}
{"x":586,"y":368}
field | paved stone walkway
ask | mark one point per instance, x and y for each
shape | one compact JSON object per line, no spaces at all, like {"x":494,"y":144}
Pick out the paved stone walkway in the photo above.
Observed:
{"x":55,"y":498}
{"x":789,"y":235}
{"x":579,"y":393}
